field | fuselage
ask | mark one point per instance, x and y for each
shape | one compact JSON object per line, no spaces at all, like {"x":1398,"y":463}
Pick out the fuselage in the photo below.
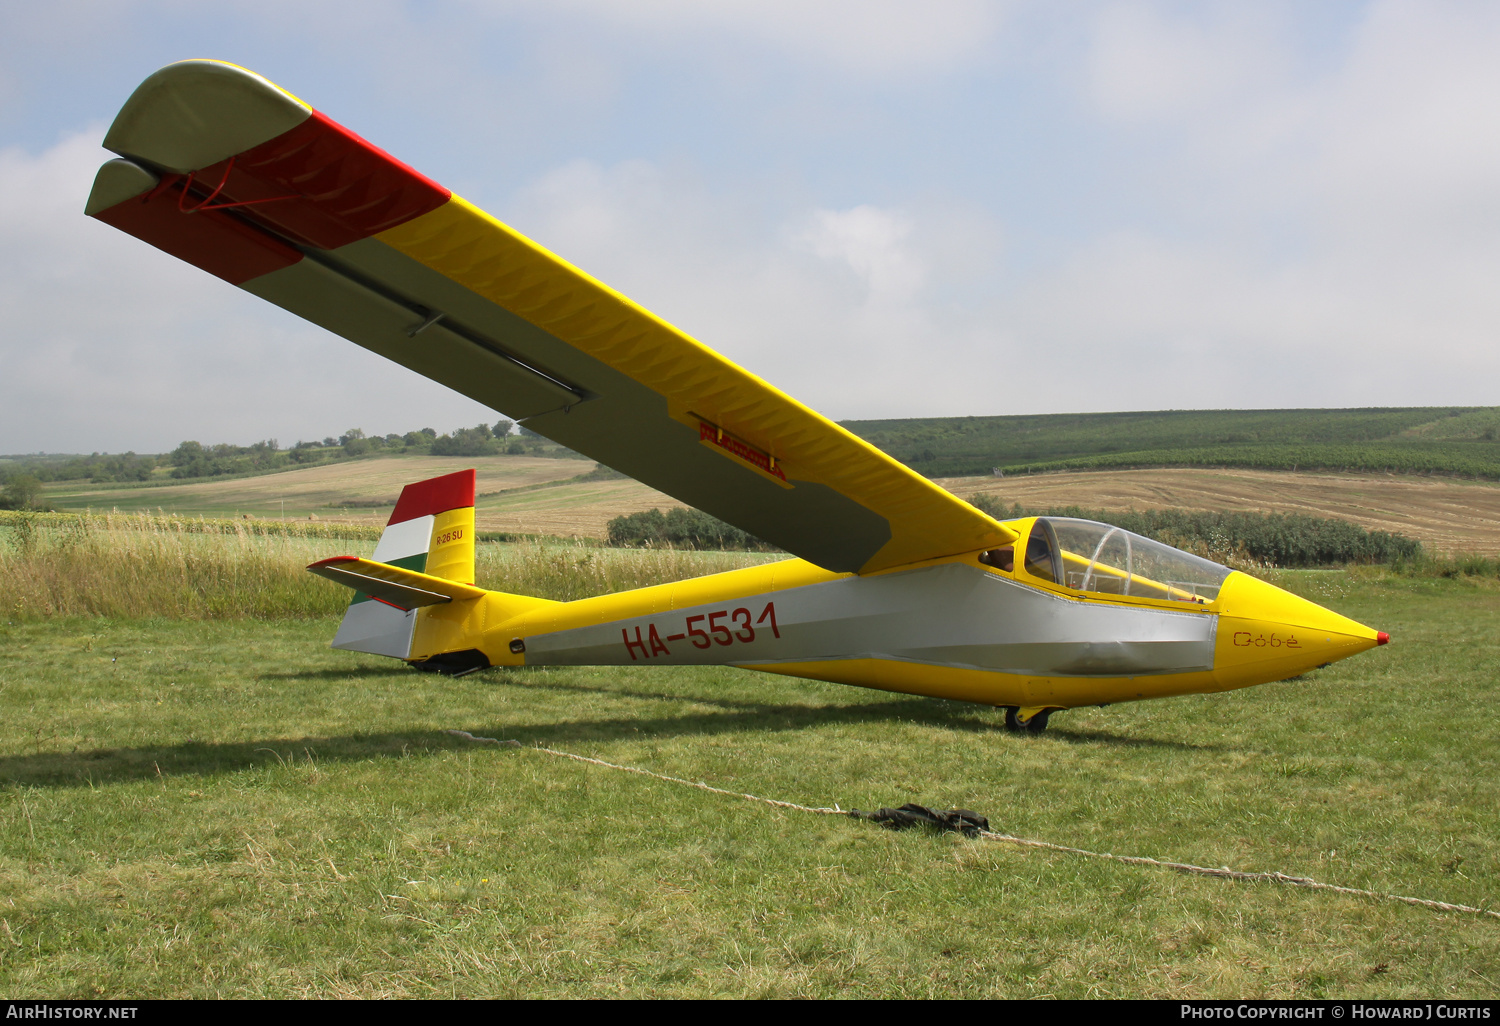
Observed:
{"x":1060,"y":632}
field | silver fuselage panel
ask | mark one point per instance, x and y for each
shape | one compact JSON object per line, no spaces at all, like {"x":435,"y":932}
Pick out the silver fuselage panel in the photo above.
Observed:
{"x":946,"y":615}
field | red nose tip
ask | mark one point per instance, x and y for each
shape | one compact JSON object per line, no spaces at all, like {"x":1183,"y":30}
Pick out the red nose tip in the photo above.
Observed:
{"x":1382,"y":638}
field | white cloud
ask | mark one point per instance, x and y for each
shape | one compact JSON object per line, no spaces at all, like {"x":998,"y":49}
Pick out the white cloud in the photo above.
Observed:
{"x":1410,"y":140}
{"x":863,"y":37}
{"x":831,"y":305}
{"x":1314,"y":237}
{"x":871,"y":311}
{"x":875,"y":244}
{"x":1145,"y":64}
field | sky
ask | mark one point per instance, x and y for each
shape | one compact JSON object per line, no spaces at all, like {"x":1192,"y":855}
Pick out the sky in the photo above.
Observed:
{"x":886,"y":209}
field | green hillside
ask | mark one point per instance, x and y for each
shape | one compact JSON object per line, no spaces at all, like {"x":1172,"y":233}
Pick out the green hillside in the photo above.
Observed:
{"x":1446,"y":440}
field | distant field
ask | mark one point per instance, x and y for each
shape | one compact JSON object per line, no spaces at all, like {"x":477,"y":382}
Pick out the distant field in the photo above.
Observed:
{"x":1456,"y":442}
{"x":335,"y":491}
{"x":365,"y":491}
{"x":582,"y":509}
{"x":1266,"y":460}
{"x":1446,"y":515}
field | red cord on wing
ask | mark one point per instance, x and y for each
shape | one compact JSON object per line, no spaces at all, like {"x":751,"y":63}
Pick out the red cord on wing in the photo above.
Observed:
{"x":317,"y":185}
{"x":188,"y":185}
{"x":209,"y":204}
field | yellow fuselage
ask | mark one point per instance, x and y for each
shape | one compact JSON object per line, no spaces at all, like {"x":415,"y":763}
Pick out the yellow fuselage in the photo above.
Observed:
{"x":950,"y":628}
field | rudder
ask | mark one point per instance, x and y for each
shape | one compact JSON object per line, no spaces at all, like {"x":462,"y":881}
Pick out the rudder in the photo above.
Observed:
{"x":431,"y":531}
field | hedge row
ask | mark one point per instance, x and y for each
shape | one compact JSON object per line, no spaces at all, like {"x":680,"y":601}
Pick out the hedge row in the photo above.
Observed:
{"x":1277,"y":539}
{"x":680,"y":529}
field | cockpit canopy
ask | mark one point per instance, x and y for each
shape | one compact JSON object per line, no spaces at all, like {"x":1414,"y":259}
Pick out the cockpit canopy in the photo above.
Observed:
{"x":1088,"y":556}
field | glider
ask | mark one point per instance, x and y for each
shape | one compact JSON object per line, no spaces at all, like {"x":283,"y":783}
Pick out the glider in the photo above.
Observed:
{"x":895,"y":583}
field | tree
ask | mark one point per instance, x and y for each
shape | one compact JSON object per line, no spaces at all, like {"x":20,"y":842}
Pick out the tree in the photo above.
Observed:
{"x":23,"y":491}
{"x":354,"y":442}
{"x":680,"y":529}
{"x":474,"y":441}
{"x":186,"y":453}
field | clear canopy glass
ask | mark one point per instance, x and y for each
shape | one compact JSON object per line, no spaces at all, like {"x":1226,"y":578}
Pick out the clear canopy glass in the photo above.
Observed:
{"x":1089,"y":556}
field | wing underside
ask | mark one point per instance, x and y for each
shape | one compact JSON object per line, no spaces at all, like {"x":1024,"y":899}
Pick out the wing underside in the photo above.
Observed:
{"x":394,"y":585}
{"x":225,"y":170}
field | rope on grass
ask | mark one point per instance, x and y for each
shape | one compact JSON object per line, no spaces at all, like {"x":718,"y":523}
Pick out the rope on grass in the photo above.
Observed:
{"x":1226,"y":873}
{"x":1223,"y":873}
{"x":700,"y":785}
{"x":483,"y":740}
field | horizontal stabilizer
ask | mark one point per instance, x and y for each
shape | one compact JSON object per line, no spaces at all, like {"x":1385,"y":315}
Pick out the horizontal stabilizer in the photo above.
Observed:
{"x":405,"y":588}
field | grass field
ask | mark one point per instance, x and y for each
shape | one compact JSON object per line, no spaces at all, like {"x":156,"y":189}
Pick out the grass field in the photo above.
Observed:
{"x":193,"y":807}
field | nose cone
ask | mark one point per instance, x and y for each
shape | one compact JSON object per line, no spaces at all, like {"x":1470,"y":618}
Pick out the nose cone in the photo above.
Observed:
{"x":1268,"y":634}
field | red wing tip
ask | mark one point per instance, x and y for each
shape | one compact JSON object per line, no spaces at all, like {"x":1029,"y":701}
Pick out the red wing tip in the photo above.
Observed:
{"x":332,"y":560}
{"x":1382,"y":638}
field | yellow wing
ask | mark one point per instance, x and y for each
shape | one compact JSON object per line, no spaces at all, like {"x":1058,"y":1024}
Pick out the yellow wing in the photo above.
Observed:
{"x":229,"y":172}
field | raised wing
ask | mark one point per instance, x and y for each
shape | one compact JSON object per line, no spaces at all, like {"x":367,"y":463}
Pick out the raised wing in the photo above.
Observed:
{"x":231,"y":173}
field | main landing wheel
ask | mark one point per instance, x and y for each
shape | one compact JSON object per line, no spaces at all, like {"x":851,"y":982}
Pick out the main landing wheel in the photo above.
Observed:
{"x":1018,"y":722}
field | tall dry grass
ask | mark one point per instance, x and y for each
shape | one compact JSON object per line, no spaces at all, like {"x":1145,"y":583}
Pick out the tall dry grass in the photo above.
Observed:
{"x":145,"y":521}
{"x":133,"y":566}
{"x":566,"y":570}
{"x":120,"y":565}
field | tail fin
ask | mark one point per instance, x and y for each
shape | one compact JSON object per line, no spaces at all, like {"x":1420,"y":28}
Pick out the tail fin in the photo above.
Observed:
{"x":431,"y":531}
